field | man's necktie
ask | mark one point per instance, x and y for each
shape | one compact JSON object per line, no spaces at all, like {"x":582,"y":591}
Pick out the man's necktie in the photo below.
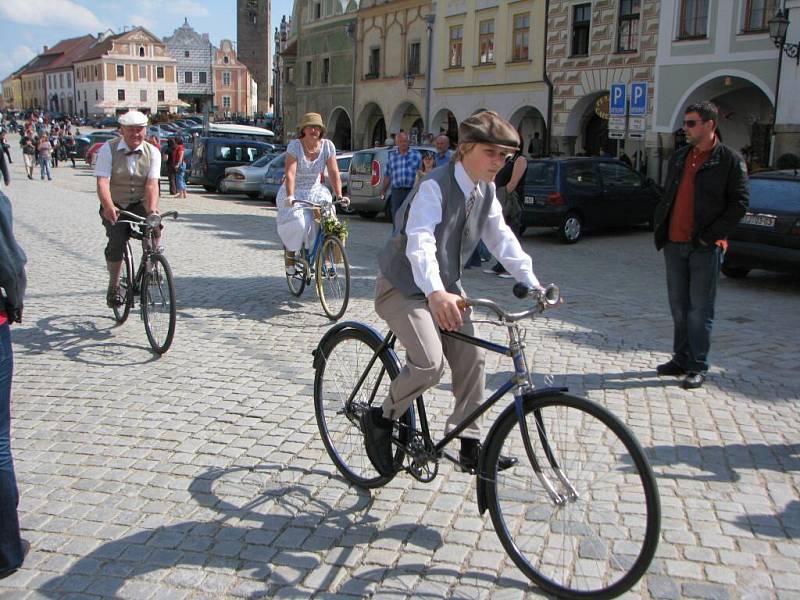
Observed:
{"x":471,"y":200}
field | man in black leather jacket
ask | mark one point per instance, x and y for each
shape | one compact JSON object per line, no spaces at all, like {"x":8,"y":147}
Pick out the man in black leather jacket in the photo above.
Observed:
{"x":706,"y":193}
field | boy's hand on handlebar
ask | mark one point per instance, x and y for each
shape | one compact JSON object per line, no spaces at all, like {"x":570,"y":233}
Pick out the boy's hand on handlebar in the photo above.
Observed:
{"x":445,"y":309}
{"x":111,"y":214}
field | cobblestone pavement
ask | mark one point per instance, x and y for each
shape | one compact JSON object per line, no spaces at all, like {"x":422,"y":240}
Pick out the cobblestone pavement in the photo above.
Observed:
{"x":201,"y":474}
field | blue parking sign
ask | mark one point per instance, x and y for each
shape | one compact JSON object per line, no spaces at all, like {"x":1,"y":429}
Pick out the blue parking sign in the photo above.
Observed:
{"x":639,"y":98}
{"x":618,"y":100}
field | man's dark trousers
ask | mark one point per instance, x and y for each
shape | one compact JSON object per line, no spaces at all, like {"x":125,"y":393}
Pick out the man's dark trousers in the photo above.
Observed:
{"x":692,"y":277}
{"x":396,"y":199}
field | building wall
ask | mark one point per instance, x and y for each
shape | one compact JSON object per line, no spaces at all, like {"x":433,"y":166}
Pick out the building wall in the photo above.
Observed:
{"x":60,"y":84}
{"x":33,"y":90}
{"x":578,"y":81}
{"x":391,"y":27}
{"x":319,"y":41}
{"x":239,"y":89}
{"x":253,"y":39}
{"x":97,"y":78}
{"x":513,"y":88}
{"x":12,"y":92}
{"x":199,"y":48}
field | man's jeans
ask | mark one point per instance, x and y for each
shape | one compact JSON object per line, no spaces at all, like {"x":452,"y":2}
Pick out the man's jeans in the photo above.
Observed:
{"x":692,"y":277}
{"x":10,"y":543}
{"x":396,"y":199}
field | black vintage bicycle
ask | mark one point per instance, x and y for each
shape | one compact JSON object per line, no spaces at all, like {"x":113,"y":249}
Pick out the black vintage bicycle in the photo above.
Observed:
{"x":152,"y":281}
{"x":579,"y":513}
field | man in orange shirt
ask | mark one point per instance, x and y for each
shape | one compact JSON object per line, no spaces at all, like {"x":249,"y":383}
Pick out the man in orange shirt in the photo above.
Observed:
{"x":705,"y":195}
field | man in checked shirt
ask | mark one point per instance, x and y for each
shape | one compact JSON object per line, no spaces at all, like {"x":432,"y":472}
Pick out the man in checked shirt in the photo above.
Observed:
{"x":417,"y":291}
{"x":401,"y":170}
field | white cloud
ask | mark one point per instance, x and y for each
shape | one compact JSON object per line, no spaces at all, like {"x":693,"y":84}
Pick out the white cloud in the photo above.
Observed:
{"x":51,"y":13}
{"x":11,"y":61}
{"x":187,"y":8}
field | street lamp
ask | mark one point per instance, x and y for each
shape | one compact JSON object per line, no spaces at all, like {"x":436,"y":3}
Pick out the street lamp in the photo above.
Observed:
{"x":778,"y":26}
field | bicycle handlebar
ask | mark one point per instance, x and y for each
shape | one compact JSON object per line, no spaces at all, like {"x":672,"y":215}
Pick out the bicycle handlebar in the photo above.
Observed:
{"x":547,"y":297}
{"x":152,"y":220}
{"x":306,"y":204}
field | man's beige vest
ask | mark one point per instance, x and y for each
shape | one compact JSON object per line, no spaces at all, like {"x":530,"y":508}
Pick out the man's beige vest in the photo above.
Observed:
{"x":127,"y":189}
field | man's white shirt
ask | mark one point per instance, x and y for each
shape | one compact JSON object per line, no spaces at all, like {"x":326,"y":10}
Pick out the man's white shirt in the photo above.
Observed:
{"x":103,"y":166}
{"x":425,"y":214}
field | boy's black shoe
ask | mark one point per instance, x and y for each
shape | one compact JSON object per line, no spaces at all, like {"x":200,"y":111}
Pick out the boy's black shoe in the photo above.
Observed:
{"x":693,"y":380}
{"x":471,"y":453}
{"x":670,"y":368}
{"x":378,"y":440}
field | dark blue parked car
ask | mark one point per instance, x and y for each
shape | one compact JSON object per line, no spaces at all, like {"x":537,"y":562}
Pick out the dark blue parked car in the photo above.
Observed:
{"x":768,"y":235}
{"x":578,"y":193}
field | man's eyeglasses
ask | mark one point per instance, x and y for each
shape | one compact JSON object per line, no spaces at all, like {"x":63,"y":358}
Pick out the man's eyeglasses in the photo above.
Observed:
{"x":689,"y":123}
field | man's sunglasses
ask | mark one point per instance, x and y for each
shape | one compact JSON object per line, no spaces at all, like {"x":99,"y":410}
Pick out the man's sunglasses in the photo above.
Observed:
{"x":689,"y":123}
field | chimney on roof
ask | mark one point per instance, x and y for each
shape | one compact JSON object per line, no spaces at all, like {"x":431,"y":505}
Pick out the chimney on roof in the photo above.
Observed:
{"x":45,"y":50}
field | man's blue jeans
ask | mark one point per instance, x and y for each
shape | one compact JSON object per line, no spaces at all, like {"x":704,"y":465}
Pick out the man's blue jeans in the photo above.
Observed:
{"x":396,"y":199}
{"x":10,"y":543}
{"x":692,"y":277}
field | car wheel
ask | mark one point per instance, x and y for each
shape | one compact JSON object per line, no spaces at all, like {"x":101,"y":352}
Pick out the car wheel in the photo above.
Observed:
{"x":733,"y":271}
{"x":209,"y":188}
{"x":218,"y":187}
{"x":571,"y":228}
{"x":253,"y":195}
{"x":368,"y":214}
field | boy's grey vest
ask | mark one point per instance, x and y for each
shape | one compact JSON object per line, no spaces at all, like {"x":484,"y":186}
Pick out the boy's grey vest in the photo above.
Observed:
{"x":127,"y":189}
{"x":456,"y":235}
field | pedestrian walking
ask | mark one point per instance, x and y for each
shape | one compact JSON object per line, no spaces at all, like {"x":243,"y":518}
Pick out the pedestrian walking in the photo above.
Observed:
{"x":4,"y":172}
{"x":180,"y":168}
{"x":12,"y":293}
{"x":401,"y":169}
{"x":535,"y":146}
{"x":443,"y":152}
{"x":28,"y":155}
{"x":45,"y":150}
{"x":5,"y":148}
{"x":706,"y":193}
{"x":70,"y":149}
{"x":168,"y":156}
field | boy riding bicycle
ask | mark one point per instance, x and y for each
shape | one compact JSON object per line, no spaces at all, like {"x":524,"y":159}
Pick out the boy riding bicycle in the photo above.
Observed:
{"x":418,"y":289}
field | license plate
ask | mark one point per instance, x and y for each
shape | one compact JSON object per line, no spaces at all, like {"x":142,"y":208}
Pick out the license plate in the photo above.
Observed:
{"x":357,"y":185}
{"x":759,"y":220}
{"x":530,"y":200}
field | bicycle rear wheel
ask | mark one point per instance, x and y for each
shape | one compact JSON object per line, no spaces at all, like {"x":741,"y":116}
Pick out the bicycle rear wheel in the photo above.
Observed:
{"x":125,"y":286}
{"x":297,"y":281}
{"x":599,"y":541}
{"x":158,"y":303}
{"x":333,"y":279}
{"x":344,"y":359}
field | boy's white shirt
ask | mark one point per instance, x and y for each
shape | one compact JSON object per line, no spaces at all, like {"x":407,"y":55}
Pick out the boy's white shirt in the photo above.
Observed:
{"x":425,"y":214}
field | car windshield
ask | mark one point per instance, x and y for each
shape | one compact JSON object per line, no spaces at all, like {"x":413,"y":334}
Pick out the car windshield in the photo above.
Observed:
{"x":278,"y":163}
{"x":774,"y":194}
{"x":263,"y":161}
{"x":362,"y":163}
{"x":541,"y":173}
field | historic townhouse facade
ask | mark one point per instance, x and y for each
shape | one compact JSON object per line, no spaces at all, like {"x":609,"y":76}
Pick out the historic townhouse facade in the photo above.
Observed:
{"x":591,"y":45}
{"x":124,"y":71}
{"x":324,"y":67}
{"x":721,"y":51}
{"x":12,"y":89}
{"x":490,"y":55}
{"x":59,"y":84}
{"x":193,"y":52}
{"x":234,"y":89}
{"x":392,"y":47}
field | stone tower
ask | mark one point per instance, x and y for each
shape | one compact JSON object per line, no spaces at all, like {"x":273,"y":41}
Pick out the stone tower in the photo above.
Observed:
{"x":253,"y":42}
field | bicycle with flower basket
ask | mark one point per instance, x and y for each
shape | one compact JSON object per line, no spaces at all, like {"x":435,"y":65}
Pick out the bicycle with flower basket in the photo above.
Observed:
{"x":326,"y":262}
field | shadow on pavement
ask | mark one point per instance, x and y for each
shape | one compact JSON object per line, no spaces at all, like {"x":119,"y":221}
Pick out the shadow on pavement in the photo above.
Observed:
{"x":80,"y":339}
{"x":267,"y":520}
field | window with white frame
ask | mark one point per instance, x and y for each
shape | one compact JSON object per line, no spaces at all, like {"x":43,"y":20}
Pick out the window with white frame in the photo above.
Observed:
{"x":226,"y":78}
{"x":414,"y":58}
{"x":581,"y":24}
{"x":486,"y":42}
{"x":456,"y":45}
{"x":143,"y":95}
{"x":694,"y":19}
{"x":226,"y":102}
{"x":758,"y":13}
{"x":522,"y":30}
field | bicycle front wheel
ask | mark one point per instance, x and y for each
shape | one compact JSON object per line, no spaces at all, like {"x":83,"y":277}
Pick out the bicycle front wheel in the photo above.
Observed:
{"x":333,"y":277}
{"x":598,"y":539}
{"x":125,"y":286}
{"x":158,"y":303}
{"x":345,"y":358}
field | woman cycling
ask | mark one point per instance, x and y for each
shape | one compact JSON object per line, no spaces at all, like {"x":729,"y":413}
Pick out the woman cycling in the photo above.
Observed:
{"x":306,"y":159}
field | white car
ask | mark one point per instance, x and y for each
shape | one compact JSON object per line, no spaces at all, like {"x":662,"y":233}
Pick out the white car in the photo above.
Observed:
{"x":246,"y":179}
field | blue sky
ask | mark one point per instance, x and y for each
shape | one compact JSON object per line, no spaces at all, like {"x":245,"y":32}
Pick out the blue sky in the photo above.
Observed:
{"x":28,"y":25}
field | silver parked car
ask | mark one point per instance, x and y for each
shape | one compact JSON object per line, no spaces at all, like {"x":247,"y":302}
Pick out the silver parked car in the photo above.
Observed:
{"x":246,"y":179}
{"x":367,"y":171}
{"x":273,"y":177}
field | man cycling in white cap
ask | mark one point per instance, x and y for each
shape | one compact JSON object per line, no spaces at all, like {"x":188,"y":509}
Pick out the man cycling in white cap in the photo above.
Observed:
{"x":127,"y":173}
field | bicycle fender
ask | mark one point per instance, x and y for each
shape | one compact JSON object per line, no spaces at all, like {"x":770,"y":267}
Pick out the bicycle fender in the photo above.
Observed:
{"x":368,"y":329}
{"x":483,"y":477}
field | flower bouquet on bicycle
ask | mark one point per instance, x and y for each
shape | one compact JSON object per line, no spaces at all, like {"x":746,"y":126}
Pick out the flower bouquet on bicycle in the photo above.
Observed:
{"x":322,"y":255}
{"x":567,"y":485}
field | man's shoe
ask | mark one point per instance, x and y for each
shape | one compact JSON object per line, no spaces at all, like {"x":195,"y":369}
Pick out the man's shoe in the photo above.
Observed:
{"x":471,"y":452}
{"x":693,"y":380}
{"x":670,"y":368}
{"x":113,"y":298}
{"x":378,"y":440}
